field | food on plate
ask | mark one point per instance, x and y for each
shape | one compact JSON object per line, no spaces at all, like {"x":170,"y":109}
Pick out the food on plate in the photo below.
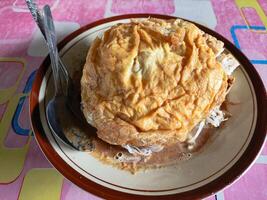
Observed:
{"x":152,"y":83}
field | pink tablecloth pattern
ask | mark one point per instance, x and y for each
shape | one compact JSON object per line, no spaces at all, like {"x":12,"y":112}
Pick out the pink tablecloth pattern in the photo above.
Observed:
{"x":24,"y":171}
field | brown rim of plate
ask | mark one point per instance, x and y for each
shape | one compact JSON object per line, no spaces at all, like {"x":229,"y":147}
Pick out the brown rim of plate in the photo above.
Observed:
{"x":219,"y":183}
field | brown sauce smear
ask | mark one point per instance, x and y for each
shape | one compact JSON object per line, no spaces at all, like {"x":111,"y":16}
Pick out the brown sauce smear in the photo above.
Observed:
{"x":84,"y":137}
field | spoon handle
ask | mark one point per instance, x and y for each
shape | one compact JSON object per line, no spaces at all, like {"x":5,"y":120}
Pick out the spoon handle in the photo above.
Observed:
{"x":51,"y":39}
{"x":39,"y":19}
{"x":36,"y":14}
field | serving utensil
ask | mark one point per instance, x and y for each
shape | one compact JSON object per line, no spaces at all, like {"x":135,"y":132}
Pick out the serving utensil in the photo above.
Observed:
{"x":59,"y":101}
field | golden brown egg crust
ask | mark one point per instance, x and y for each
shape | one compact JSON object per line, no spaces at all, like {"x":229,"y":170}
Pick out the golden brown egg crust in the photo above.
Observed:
{"x":151,"y":82}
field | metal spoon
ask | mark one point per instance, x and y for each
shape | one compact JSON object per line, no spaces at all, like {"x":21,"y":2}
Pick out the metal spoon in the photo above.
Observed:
{"x":73,"y":97}
{"x":59,"y":101}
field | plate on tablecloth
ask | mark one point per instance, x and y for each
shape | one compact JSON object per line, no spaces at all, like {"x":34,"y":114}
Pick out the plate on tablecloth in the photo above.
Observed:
{"x":219,"y":164}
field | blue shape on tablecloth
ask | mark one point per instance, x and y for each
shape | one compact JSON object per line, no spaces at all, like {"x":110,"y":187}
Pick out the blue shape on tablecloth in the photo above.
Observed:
{"x":236,"y":42}
{"x":15,"y":120}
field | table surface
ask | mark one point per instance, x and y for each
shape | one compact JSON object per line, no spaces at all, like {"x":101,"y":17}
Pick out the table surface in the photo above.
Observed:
{"x":24,"y":171}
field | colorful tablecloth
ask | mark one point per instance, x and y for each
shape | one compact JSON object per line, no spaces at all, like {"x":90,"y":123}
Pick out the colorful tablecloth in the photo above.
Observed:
{"x":24,"y":171}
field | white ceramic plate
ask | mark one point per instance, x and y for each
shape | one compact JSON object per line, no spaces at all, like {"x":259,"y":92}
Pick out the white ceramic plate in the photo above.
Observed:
{"x":220,"y":162}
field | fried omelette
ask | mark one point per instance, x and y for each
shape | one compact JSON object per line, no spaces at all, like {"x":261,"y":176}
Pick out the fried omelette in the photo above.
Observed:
{"x":150,"y":82}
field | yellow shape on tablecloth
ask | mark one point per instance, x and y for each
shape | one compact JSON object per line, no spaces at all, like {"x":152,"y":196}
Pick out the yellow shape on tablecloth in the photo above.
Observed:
{"x":252,"y":4}
{"x":5,"y":122}
{"x":11,"y":159}
{"x":12,"y":162}
{"x":6,"y":94}
{"x":41,"y":184}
